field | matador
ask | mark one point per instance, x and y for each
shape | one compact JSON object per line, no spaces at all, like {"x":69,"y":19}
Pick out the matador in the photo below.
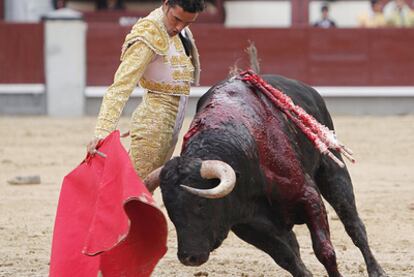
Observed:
{"x":159,"y":53}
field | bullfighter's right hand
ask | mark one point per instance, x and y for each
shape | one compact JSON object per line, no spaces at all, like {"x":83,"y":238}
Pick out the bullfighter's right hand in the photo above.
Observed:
{"x":91,"y":146}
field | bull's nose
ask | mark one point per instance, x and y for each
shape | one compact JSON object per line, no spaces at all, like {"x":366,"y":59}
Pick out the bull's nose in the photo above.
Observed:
{"x":192,"y":259}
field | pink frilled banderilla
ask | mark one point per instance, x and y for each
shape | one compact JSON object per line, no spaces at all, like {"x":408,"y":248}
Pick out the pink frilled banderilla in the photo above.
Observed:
{"x":320,"y":135}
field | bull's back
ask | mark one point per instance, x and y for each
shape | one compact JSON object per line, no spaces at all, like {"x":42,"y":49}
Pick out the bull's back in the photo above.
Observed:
{"x":240,"y":93}
{"x":302,"y":95}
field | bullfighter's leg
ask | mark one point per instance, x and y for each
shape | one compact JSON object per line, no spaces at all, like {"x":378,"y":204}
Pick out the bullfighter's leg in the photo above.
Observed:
{"x":317,"y":222}
{"x":152,"y":131}
{"x":336,"y":187}
{"x":284,"y":249}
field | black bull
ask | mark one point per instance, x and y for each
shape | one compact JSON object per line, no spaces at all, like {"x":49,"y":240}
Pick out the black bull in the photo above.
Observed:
{"x":280,"y":178}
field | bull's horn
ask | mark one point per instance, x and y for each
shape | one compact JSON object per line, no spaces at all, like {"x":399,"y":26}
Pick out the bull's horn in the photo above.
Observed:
{"x":152,"y":181}
{"x":215,"y":169}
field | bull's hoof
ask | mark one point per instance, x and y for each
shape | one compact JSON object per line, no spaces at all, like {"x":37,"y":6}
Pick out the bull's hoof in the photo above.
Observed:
{"x":378,"y":273}
{"x":304,"y":274}
{"x":301,"y":271}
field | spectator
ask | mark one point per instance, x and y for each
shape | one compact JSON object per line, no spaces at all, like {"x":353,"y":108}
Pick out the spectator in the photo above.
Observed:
{"x":61,"y":11}
{"x":399,"y":14}
{"x":325,"y":21}
{"x":59,"y":4}
{"x":109,"y":4}
{"x":374,"y":18}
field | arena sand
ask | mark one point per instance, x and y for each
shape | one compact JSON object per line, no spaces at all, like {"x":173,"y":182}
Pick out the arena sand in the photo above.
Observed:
{"x":383,"y":182}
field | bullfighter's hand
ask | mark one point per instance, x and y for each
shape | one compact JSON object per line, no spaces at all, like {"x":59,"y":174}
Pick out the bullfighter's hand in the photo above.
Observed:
{"x":91,"y":146}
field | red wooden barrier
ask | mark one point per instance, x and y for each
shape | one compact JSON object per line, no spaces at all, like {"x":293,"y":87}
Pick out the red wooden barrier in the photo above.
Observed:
{"x":334,"y":57}
{"x":21,"y":53}
{"x":2,"y":9}
{"x":103,"y":49}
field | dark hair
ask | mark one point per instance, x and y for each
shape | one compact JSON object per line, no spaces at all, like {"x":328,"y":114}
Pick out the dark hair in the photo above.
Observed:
{"x":325,"y":8}
{"x":190,"y":6}
{"x":373,"y":2}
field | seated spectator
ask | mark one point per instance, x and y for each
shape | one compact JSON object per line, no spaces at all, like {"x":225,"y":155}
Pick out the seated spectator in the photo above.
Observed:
{"x":399,"y":14}
{"x":325,"y":21}
{"x":374,"y":18}
{"x":109,"y":4}
{"x":59,"y":4}
{"x":61,"y":11}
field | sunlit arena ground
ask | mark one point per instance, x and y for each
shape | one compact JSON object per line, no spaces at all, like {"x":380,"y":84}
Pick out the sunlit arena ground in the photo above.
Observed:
{"x":383,"y":180}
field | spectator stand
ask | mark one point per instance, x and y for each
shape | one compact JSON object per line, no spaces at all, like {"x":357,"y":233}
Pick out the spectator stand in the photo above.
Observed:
{"x":131,"y":10}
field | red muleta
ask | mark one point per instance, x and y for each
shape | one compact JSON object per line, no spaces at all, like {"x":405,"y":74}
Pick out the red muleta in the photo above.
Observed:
{"x":107,"y":222}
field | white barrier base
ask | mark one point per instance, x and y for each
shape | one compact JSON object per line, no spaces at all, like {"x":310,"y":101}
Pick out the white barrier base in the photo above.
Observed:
{"x":22,"y":99}
{"x":398,"y":91}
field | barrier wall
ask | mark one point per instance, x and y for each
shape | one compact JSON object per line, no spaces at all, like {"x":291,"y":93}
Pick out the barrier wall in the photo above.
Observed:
{"x":340,"y":57}
{"x":1,"y":9}
{"x":103,"y":49}
{"x":334,"y":57}
{"x":21,"y":53}
{"x":381,"y":60}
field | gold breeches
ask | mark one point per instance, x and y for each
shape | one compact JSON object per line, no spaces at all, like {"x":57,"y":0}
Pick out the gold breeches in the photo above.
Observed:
{"x":152,"y":131}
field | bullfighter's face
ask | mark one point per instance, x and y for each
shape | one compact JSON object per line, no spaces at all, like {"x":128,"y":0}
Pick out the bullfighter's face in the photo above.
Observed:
{"x":199,"y":222}
{"x":176,"y":19}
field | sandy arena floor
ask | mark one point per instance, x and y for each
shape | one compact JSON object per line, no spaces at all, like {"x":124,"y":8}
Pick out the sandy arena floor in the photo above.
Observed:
{"x":383,"y":182}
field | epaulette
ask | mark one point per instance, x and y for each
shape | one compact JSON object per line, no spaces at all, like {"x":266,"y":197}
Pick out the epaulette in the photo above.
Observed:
{"x":149,"y":32}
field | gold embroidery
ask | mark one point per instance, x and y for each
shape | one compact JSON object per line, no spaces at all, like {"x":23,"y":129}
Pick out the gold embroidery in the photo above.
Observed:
{"x":152,"y":131}
{"x":180,"y":60}
{"x":167,"y":88}
{"x":182,"y":75}
{"x":136,"y":59}
{"x":178,"y":44}
{"x":150,"y":31}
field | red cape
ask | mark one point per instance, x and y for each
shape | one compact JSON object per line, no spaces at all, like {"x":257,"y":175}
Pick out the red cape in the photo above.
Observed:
{"x":106,"y":220}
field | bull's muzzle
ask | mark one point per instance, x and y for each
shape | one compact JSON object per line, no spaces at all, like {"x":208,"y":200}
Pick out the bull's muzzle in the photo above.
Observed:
{"x":193,"y":259}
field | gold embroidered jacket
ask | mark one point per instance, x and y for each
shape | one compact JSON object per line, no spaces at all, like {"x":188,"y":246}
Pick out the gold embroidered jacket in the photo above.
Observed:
{"x":153,"y":59}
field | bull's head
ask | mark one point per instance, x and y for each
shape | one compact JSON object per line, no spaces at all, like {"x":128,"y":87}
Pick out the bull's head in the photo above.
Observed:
{"x":194,"y":194}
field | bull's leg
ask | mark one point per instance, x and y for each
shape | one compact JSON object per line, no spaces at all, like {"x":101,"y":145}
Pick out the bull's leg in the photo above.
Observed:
{"x":317,"y":222}
{"x":336,"y":187}
{"x":283,"y":249}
